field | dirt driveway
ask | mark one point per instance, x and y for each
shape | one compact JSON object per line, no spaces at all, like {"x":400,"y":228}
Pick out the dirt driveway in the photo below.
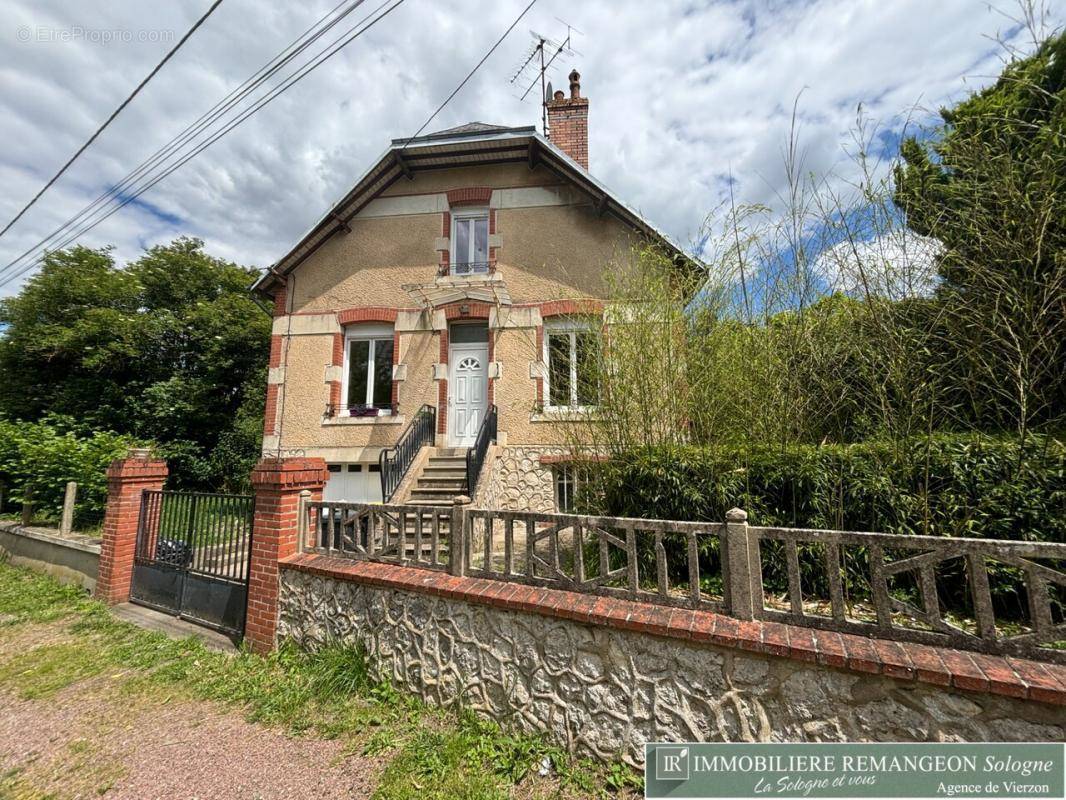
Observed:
{"x":99,"y":738}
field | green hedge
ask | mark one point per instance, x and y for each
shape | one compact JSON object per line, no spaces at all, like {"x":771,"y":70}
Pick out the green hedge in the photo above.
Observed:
{"x":943,"y":485}
{"x":38,"y":458}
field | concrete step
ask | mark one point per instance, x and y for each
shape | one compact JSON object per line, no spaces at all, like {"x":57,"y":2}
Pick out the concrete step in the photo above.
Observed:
{"x":433,"y":482}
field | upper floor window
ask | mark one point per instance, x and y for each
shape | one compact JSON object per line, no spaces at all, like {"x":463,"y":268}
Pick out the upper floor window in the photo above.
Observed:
{"x":572,"y":349}
{"x":470,"y":241}
{"x":367,"y":381}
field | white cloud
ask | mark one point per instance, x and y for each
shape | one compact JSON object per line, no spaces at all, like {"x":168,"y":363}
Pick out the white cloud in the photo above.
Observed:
{"x":682,"y":94}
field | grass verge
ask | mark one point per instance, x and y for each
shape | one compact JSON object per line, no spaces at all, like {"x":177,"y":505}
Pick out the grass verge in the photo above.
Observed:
{"x":330,"y":694}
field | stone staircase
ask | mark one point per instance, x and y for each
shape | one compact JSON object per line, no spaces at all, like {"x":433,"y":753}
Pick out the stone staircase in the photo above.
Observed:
{"x":443,"y":476}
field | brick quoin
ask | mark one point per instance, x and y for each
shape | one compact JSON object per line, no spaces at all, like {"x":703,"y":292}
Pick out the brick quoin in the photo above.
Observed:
{"x":279,"y":302}
{"x":338,"y":350}
{"x":270,"y":413}
{"x":127,"y":479}
{"x":540,"y":355}
{"x":277,"y":483}
{"x":275,"y":350}
{"x":442,"y":386}
{"x":1009,"y":676}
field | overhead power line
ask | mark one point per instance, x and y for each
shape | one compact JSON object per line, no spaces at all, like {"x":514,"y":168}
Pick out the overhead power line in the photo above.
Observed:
{"x":136,"y":191}
{"x":194,"y":129}
{"x":114,"y":114}
{"x":302,"y":72}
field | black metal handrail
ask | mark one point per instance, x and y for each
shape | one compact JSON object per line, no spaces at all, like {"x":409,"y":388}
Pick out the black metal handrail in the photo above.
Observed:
{"x":395,"y":461}
{"x":475,"y":456}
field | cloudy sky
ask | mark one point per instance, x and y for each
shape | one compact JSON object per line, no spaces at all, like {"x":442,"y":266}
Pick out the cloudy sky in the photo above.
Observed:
{"x":682,"y":94}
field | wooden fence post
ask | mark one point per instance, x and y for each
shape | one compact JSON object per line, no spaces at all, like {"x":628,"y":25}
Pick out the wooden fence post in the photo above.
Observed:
{"x":743,"y":566}
{"x":458,"y":536}
{"x":66,"y":522}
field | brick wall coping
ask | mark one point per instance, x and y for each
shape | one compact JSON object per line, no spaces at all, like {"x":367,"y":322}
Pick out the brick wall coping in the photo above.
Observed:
{"x":977,"y":672}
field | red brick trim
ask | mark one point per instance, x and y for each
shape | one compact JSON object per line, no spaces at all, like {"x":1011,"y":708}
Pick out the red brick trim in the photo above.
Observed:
{"x":585,"y":306}
{"x":338,"y":350}
{"x":270,"y":413}
{"x":470,"y":196}
{"x":570,"y":458}
{"x":275,"y":350}
{"x":1009,"y":676}
{"x":335,"y":394}
{"x":475,"y":310}
{"x":493,"y":255}
{"x":442,"y":386}
{"x":540,"y":357}
{"x":279,"y":301}
{"x":349,"y":316}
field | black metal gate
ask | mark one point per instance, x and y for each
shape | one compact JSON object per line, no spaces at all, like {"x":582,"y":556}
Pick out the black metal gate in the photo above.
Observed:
{"x":192,"y":556}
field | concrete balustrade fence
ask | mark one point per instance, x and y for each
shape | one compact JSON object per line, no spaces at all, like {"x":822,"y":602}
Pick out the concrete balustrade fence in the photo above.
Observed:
{"x":720,"y":567}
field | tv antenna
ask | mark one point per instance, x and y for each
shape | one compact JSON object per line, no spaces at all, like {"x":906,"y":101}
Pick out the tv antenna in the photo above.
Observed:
{"x":539,"y":61}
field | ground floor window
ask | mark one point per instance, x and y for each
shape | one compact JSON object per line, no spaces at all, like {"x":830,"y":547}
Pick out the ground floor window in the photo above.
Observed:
{"x":368,"y":369}
{"x":572,"y":351}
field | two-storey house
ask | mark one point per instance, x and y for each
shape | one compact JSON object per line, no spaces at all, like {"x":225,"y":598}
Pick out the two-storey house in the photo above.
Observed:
{"x":430,"y":330}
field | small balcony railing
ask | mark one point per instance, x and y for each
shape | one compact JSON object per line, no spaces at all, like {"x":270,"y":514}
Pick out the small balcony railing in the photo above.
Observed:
{"x":338,"y":410}
{"x":470,"y":268}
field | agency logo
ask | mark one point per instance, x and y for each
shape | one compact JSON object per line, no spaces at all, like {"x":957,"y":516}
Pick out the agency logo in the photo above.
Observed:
{"x":672,"y":763}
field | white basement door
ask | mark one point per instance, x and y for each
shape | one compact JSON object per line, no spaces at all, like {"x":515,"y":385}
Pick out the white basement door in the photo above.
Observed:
{"x":353,"y":483}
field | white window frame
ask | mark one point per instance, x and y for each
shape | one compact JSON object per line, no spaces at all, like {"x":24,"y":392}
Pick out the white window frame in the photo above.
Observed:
{"x":358,"y":333}
{"x":476,"y":212}
{"x":556,"y":327}
{"x":570,"y":474}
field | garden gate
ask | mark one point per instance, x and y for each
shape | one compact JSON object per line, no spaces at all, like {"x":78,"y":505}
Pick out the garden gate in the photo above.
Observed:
{"x":192,"y":556}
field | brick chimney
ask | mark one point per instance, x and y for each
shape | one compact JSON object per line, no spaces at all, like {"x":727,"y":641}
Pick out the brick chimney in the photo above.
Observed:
{"x":568,"y":122}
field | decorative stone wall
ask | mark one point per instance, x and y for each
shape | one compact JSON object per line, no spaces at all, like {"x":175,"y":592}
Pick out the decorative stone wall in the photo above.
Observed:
{"x":519,"y":482}
{"x":602,"y":692}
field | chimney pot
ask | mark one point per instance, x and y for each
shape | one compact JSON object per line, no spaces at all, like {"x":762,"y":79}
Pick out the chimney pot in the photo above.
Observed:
{"x":558,"y":95}
{"x":575,"y":84}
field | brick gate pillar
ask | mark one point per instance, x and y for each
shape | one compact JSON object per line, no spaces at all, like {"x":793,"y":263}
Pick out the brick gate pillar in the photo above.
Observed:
{"x":277,"y":483}
{"x":127,"y":478}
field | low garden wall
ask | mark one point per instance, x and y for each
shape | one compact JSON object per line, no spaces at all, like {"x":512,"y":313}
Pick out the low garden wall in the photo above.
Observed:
{"x":602,"y":675}
{"x":73,"y":558}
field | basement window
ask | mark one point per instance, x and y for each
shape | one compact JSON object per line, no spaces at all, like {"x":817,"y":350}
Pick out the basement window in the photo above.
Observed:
{"x":470,"y":241}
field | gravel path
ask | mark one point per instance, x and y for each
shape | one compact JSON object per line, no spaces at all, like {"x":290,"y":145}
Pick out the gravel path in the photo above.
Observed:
{"x":94,"y":738}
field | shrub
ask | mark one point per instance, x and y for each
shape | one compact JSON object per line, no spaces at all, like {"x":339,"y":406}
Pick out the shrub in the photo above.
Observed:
{"x":37,"y":459}
{"x":940,"y":485}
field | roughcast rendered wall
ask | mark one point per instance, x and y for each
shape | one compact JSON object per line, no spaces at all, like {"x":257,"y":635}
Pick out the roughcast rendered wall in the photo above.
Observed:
{"x":604,"y":692}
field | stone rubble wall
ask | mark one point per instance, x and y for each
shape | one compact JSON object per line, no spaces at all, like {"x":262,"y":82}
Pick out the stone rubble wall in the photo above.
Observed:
{"x":519,"y":482}
{"x":604,"y":692}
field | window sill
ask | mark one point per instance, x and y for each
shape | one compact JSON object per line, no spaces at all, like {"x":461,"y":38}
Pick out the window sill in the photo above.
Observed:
{"x":390,"y":419}
{"x":560,"y":414}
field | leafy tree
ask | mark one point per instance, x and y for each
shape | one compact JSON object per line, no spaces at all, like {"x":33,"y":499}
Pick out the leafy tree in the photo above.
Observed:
{"x":991,"y":187}
{"x":170,"y":348}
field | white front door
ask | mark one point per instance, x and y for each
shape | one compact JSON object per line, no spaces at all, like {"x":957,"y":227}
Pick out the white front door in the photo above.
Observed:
{"x":468,"y":367}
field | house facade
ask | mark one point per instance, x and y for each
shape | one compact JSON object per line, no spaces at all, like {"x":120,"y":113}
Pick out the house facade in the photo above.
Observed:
{"x":436,"y":323}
